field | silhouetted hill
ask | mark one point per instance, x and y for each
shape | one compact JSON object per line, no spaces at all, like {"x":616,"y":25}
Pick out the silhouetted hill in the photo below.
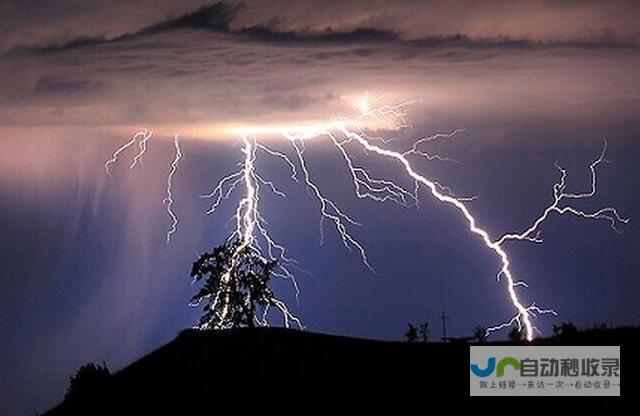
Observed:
{"x":270,"y":368}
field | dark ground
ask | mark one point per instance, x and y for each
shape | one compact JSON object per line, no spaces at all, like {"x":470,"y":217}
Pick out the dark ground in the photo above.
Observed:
{"x":270,"y":368}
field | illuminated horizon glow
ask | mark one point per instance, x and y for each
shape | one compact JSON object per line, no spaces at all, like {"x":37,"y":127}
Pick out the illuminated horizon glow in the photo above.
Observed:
{"x":270,"y":128}
{"x":252,"y":233}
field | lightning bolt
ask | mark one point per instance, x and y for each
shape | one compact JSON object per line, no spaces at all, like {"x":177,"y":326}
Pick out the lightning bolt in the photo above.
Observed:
{"x":523,"y":313}
{"x":142,"y":149}
{"x":168,"y":200}
{"x":143,"y":136}
{"x":250,"y":228}
{"x":609,"y":214}
{"x":343,"y":133}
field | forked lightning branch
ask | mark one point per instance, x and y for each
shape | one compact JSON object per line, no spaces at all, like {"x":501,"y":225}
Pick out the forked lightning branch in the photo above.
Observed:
{"x":347,"y":134}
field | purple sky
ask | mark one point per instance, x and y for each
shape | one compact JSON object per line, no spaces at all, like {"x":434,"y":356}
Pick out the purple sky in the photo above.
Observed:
{"x":85,"y":273}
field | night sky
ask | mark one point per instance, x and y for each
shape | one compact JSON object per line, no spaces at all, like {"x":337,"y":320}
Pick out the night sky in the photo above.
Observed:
{"x":85,"y":274}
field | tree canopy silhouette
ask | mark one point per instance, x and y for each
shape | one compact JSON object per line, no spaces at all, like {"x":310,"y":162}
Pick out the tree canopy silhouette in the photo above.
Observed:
{"x":89,"y":380}
{"x":412,"y":333}
{"x":236,"y":286}
{"x":425,"y":332}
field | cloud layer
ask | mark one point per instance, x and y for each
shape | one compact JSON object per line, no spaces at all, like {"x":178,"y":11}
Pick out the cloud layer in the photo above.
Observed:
{"x":39,"y":22}
{"x":238,"y":63}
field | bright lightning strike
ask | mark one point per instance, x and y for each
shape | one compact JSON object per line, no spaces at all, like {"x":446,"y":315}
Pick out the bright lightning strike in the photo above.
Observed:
{"x":142,"y":149}
{"x":344,"y":132}
{"x":251,"y":228}
{"x":560,"y":195}
{"x":168,"y":200}
{"x":250,"y":233}
{"x":142,"y":137}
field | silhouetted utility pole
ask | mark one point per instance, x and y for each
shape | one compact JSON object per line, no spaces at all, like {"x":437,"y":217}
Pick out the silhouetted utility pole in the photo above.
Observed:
{"x":444,"y":326}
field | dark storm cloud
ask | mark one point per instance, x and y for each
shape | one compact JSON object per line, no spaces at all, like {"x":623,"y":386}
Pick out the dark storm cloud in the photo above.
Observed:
{"x":41,"y":22}
{"x":366,"y":34}
{"x":219,"y":17}
{"x":215,"y":17}
{"x":536,"y":20}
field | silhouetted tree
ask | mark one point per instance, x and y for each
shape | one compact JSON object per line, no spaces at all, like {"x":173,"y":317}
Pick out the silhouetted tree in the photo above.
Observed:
{"x":425,"y":332}
{"x":565,"y":330}
{"x":516,"y":334}
{"x":480,"y":334}
{"x":236,"y":285}
{"x":412,"y":333}
{"x":89,"y":380}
